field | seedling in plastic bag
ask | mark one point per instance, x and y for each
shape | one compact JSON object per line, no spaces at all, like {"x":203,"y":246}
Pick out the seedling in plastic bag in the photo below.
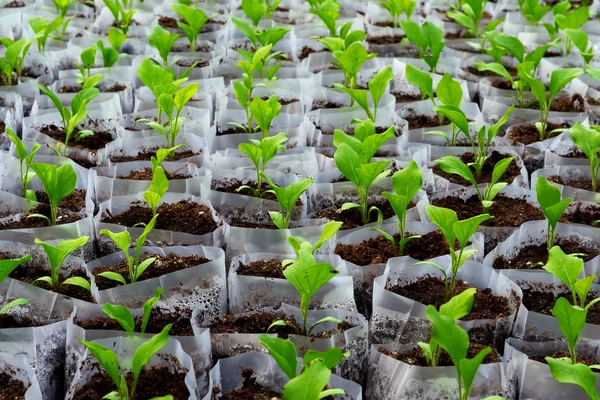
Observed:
{"x":429,"y":40}
{"x":122,"y":241}
{"x":56,"y":257}
{"x":85,"y":77}
{"x":469,"y":15}
{"x":298,"y":244}
{"x":157,"y":189}
{"x":7,"y":266}
{"x":588,"y":140}
{"x":163,"y":41}
{"x":71,"y":117}
{"x":287,"y":198}
{"x":533,"y":10}
{"x":568,"y":19}
{"x":58,"y":182}
{"x":548,"y":196}
{"x":14,"y":57}
{"x":121,"y":13}
{"x":43,"y":29}
{"x":162,"y":155}
{"x":398,"y":7}
{"x":329,"y":12}
{"x":260,"y":152}
{"x":454,"y":230}
{"x":406,"y":183}
{"x":110,"y":54}
{"x":25,"y":161}
{"x":194,"y":20}
{"x":316,"y":369}
{"x":110,"y":362}
{"x":581,"y":40}
{"x":351,"y":60}
{"x":125,"y":318}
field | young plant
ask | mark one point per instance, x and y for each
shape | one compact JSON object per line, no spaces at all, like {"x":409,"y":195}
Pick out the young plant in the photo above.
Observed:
{"x":125,"y":318}
{"x":548,"y":196}
{"x":311,"y":383}
{"x":156,"y":191}
{"x":533,"y":11}
{"x":566,"y":18}
{"x":406,"y":183}
{"x":162,"y":155}
{"x":25,"y":161}
{"x":351,"y":60}
{"x":42,"y":28}
{"x":287,"y":198}
{"x":110,"y":362}
{"x":429,"y":40}
{"x":501,"y":44}
{"x":377,"y":87}
{"x":588,"y":140}
{"x":85,"y":77}
{"x":11,"y":65}
{"x":329,"y":12}
{"x":260,"y":152}
{"x":580,"y":39}
{"x":122,"y":241}
{"x":263,"y":112}
{"x":469,"y":16}
{"x":567,"y":268}
{"x":71,"y":117}
{"x":194,"y":20}
{"x":121,"y":13}
{"x":58,"y":182}
{"x":7,"y":266}
{"x":455,"y":341}
{"x":353,"y":158}
{"x":485,"y":136}
{"x":298,"y":244}
{"x":110,"y":54}
{"x":454,"y":230}
{"x":558,"y":80}
{"x":163,"y":41}
{"x":56,"y":257}
{"x":397,"y":7}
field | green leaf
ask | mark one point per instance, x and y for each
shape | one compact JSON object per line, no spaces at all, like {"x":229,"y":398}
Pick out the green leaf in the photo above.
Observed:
{"x":121,"y":239}
{"x":157,"y":189}
{"x":408,"y":181}
{"x":548,"y":196}
{"x":420,"y":79}
{"x":113,"y":276}
{"x":321,"y":321}
{"x":352,"y":58}
{"x":571,"y":320}
{"x":120,"y":314}
{"x":348,"y":162}
{"x":139,"y":270}
{"x":448,"y":335}
{"x":265,"y":112}
{"x":560,"y":78}
{"x":283,"y":352}
{"x":379,"y":83}
{"x":142,"y":238}
{"x":7,"y":266}
{"x":449,"y":91}
{"x":309,"y":384}
{"x":453,"y":165}
{"x":583,"y":286}
{"x":331,"y":357}
{"x":13,"y":304}
{"x":467,"y":227}
{"x":577,"y":374}
{"x":78,"y":281}
{"x":445,"y":219}
{"x":184,"y":95}
{"x":329,"y":231}
{"x":148,"y":305}
{"x":106,"y":358}
{"x":162,"y":40}
{"x":494,"y":67}
{"x":500,"y":168}
{"x":146,"y":350}
{"x":469,"y":367}
{"x":459,"y":306}
{"x":456,"y":116}
{"x":565,"y":267}
{"x":57,"y":255}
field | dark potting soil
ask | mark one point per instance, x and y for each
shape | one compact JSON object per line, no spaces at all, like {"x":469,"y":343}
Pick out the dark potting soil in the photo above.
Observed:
{"x":161,"y":266}
{"x":229,"y":130}
{"x":183,"y":216}
{"x":575,"y":103}
{"x":378,"y":129}
{"x":255,"y":323}
{"x":2,"y":127}
{"x":540,"y":299}
{"x":507,"y":211}
{"x":307,"y":51}
{"x":406,"y":98}
{"x":418,"y":121}
{"x":265,"y":268}
{"x":69,"y":89}
{"x":115,"y":88}
{"x":74,"y":202}
{"x":250,"y":390}
{"x":486,"y":173}
{"x":473,"y":70}
{"x":98,"y":141}
{"x":8,"y":320}
{"x":188,"y":62}
{"x":11,"y":388}
{"x":153,"y":382}
{"x":431,"y":291}
{"x":147,"y":154}
{"x":35,"y":222}
{"x":585,"y":184}
{"x":460,"y":34}
{"x":285,"y":101}
{"x":536,"y":256}
{"x":328,"y":104}
{"x":385,"y":39}
{"x":15,"y":4}
{"x":415,"y":356}
{"x":379,"y":250}
{"x":168,"y":22}
{"x":581,"y":359}
{"x":231,"y":185}
{"x":352,"y":217}
{"x":146,"y":175}
{"x":581,"y":215}
{"x":528,"y":133}
{"x":158,"y":320}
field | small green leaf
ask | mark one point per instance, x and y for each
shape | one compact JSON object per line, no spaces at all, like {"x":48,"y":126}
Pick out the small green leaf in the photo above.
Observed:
{"x":283,"y":352}
{"x":120,"y":314}
{"x":113,"y":276}
{"x":577,"y":374}
{"x":459,"y":306}
{"x":106,"y":358}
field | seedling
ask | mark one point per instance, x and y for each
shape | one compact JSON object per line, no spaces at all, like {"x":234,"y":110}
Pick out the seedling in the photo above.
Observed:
{"x":377,"y":88}
{"x":398,"y":7}
{"x":122,"y":241}
{"x":110,"y":54}
{"x":42,"y":28}
{"x":110,"y":362}
{"x":353,"y":159}
{"x":56,"y":257}
{"x":263,"y":112}
{"x":533,"y":11}
{"x":14,"y":58}
{"x":121,"y":13}
{"x":310,"y":384}
{"x":194,"y":21}
{"x":429,"y":40}
{"x":485,"y":136}
{"x":452,"y":229}
{"x":455,"y":340}
{"x":7,"y":266}
{"x":406,"y":183}
{"x":156,"y":191}
{"x":548,"y":196}
{"x":25,"y":161}
{"x":588,"y":140}
{"x":566,"y":18}
{"x":85,"y":77}
{"x":62,"y":6}
{"x":342,"y":40}
{"x":287,"y":198}
{"x":163,"y":41}
{"x":351,"y":60}
{"x":558,"y":80}
{"x":162,"y":155}
{"x":580,"y":39}
{"x":502,"y":44}
{"x":329,"y":231}
{"x":125,"y":318}
{"x":329,"y":12}
{"x":469,"y":16}
{"x":71,"y":117}
{"x":260,"y":152}
{"x":254,"y":11}
{"x":58,"y":182}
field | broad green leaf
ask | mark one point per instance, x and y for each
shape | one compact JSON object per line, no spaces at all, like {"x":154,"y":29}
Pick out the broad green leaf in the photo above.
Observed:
{"x":576,"y":374}
{"x":379,"y":83}
{"x":571,"y":320}
{"x":456,"y":116}
{"x":146,"y":350}
{"x":449,"y":91}
{"x":453,"y":165}
{"x":309,"y":384}
{"x":459,"y":306}
{"x":469,"y":367}
{"x":7,"y":266}
{"x":148,"y":305}
{"x":120,"y":314}
{"x":466,"y":228}
{"x":565,"y":267}
{"x":561,"y":77}
{"x":121,"y":239}
{"x":283,"y":352}
{"x":13,"y":304}
{"x":448,"y":335}
{"x":113,"y":276}
{"x":445,"y":219}
{"x":331,"y":357}
{"x":106,"y":358}
{"x":420,"y":79}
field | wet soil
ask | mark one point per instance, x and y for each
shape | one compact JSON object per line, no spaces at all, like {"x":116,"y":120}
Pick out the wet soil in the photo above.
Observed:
{"x":35,"y":222}
{"x":147,"y":154}
{"x":385,"y":39}
{"x":528,"y":133}
{"x":255,"y":323}
{"x":575,"y":103}
{"x":581,"y":359}
{"x":352,"y":217}
{"x":406,"y":98}
{"x":93,"y":143}
{"x":581,"y":215}
{"x":541,"y":300}
{"x":416,"y":357}
{"x":486,"y":173}
{"x":585,"y":184}
{"x":11,"y":388}
{"x":250,"y":390}
{"x":74,"y":202}
{"x":325,"y":104}
{"x":146,"y":175}
{"x":231,"y":185}
{"x":265,"y":268}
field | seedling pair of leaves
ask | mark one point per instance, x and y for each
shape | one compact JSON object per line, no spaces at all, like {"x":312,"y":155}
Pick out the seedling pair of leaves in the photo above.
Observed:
{"x":469,"y":15}
{"x":533,"y":11}
{"x":329,"y":12}
{"x":260,"y":152}
{"x":194,"y":20}
{"x":299,"y":244}
{"x":501,"y":44}
{"x":142,"y":355}
{"x":429,"y":40}
{"x":125,"y":318}
{"x":350,"y":61}
{"x":121,"y":13}
{"x":7,"y":266}
{"x":452,"y":229}
{"x":353,"y":158}
{"x":157,"y":189}
{"x":567,"y":18}
{"x":58,"y":183}
{"x":57,"y":256}
{"x":254,"y":11}
{"x":588,"y":141}
{"x":398,"y":7}
{"x":163,"y":41}
{"x":25,"y":161}
{"x":71,"y":117}
{"x":162,"y":155}
{"x":343,"y":39}
{"x":287,"y":198}
{"x":85,"y":77}
{"x":44,"y":28}
{"x":377,"y":87}
{"x":548,"y":196}
{"x":14,"y":57}
{"x":110,"y":54}
{"x":316,"y":369}
{"x":406,"y":183}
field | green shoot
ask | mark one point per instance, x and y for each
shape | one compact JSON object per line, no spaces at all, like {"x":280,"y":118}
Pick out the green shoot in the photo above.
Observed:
{"x":194,"y":21}
{"x":125,"y":318}
{"x":58,"y":182}
{"x":25,"y":161}
{"x":157,"y":189}
{"x":588,"y":140}
{"x":7,"y":266}
{"x":429,"y":40}
{"x":548,"y":196}
{"x":287,"y":198}
{"x":260,"y":152}
{"x":329,"y":231}
{"x":57,"y":257}
{"x":398,"y":7}
{"x":14,"y":58}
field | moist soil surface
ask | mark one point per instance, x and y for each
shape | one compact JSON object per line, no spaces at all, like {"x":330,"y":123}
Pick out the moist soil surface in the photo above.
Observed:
{"x":379,"y":250}
{"x":402,"y":97}
{"x":528,"y":133}
{"x":352,"y":217}
{"x":431,"y":290}
{"x":115,"y":88}
{"x":585,"y":184}
{"x":7,"y":320}
{"x":575,"y":103}
{"x":74,"y":202}
{"x":250,"y":390}
{"x":536,"y":256}
{"x":511,"y":173}
{"x":232,"y":184}
{"x":473,"y":70}
{"x":507,"y":211}
{"x":35,"y":222}
{"x":188,"y":62}
{"x":183,"y":216}
{"x":583,"y":215}
{"x":153,"y":382}
{"x":95,"y":142}
{"x":11,"y":388}
{"x":265,"y":268}
{"x":161,"y":266}
{"x":385,"y":39}
{"x":416,"y":357}
{"x":321,"y":104}
{"x":255,"y":323}
{"x":146,"y":175}
{"x":581,"y":359}
{"x":418,"y":121}
{"x":145,"y":155}
{"x":541,"y":300}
